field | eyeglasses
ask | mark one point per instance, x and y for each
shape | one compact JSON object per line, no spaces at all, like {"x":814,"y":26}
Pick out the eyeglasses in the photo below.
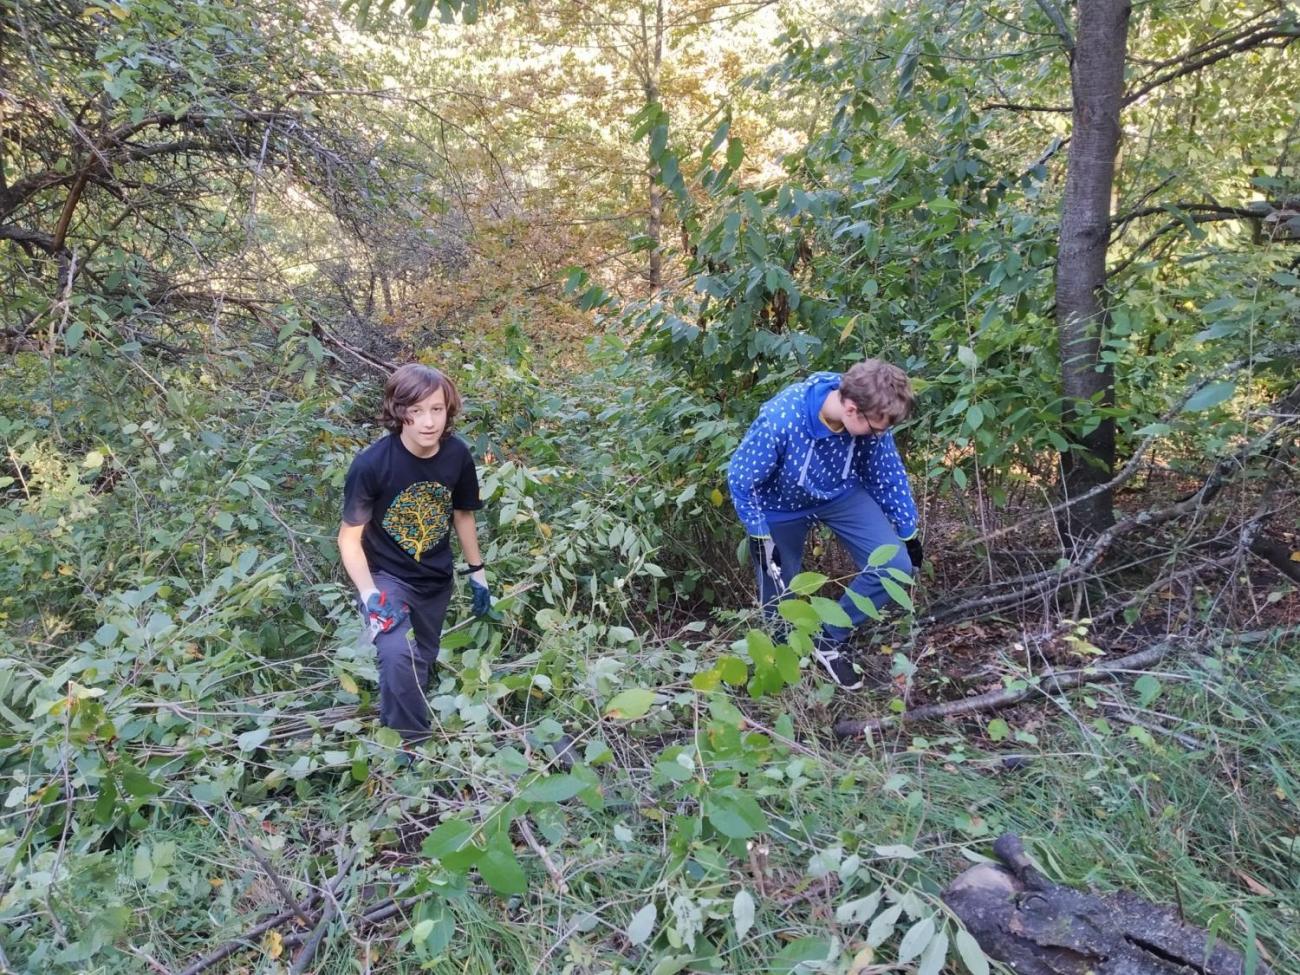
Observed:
{"x":877,"y":433}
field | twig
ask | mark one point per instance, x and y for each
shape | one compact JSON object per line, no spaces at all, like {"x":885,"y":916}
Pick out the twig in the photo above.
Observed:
{"x":994,"y":700}
{"x":557,"y":876}
{"x":309,"y":949}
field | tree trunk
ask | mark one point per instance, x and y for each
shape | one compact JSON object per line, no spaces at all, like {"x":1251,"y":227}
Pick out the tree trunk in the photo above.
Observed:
{"x":1097,"y":87}
{"x":655,"y":215}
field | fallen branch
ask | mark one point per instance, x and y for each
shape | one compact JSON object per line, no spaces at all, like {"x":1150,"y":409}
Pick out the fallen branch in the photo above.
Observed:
{"x":1050,"y":683}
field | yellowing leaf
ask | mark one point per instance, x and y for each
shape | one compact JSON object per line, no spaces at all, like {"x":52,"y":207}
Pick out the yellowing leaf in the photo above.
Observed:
{"x":347,"y":683}
{"x":862,"y":961}
{"x":1295,"y":556}
{"x":274,"y":944}
{"x":93,"y":459}
{"x":716,"y":497}
{"x":629,"y":704}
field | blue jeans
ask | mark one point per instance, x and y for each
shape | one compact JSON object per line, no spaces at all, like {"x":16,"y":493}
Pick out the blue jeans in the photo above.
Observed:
{"x":407,"y":655}
{"x":858,"y":522}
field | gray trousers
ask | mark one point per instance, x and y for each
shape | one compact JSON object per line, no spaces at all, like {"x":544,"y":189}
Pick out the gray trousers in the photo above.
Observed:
{"x":407,"y":655}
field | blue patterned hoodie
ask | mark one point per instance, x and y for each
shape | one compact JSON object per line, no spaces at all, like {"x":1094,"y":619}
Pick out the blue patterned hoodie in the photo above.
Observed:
{"x":790,"y":462}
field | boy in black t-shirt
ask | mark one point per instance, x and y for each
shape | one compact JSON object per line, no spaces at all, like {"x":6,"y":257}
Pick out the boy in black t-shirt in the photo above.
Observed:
{"x":402,"y":497}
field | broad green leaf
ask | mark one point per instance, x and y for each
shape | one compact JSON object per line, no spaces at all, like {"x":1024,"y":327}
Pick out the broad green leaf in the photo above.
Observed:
{"x":630,"y":704}
{"x":449,"y":837}
{"x":553,"y":788}
{"x":1210,"y":396}
{"x":858,"y":911}
{"x":807,"y":583}
{"x":1148,"y":688}
{"x":733,"y":670}
{"x":997,"y":729}
{"x":790,"y":958}
{"x":829,"y":611}
{"x":883,"y":926}
{"x":799,"y":613}
{"x":915,"y":940}
{"x":972,"y":955}
{"x":137,"y":784}
{"x":251,"y":739}
{"x":897,"y":593}
{"x":882,"y":554}
{"x":502,"y":872}
{"x":932,"y":959}
{"x":642,"y":924}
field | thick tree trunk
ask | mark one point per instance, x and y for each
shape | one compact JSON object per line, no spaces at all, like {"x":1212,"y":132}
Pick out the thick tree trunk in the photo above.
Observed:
{"x":1097,"y":84}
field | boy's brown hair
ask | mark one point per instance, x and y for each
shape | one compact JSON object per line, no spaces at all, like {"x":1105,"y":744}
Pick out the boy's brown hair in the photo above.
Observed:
{"x":407,"y":386}
{"x":874,"y":387}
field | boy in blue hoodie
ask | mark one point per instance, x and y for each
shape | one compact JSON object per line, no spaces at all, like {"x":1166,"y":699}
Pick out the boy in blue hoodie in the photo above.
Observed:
{"x":822,"y":451}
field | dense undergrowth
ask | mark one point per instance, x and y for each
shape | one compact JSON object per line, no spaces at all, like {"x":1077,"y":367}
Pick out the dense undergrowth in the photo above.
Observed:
{"x":625,"y":776}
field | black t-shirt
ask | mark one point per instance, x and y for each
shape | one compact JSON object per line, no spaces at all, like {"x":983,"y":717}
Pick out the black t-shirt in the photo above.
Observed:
{"x":406,"y":502}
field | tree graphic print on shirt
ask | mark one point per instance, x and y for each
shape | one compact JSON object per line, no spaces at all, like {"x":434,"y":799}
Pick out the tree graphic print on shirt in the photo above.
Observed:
{"x":420,"y":517}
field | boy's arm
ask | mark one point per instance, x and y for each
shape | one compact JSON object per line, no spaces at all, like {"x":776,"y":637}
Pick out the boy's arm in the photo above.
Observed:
{"x":886,"y":481}
{"x":354,"y":559}
{"x":467,"y":534}
{"x":758,"y":455}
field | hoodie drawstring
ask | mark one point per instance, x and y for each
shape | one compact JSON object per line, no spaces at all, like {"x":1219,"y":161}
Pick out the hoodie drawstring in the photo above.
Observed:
{"x":803,"y":473}
{"x":844,"y":475}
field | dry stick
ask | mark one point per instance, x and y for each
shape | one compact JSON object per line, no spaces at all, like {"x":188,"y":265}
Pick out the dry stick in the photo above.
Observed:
{"x":557,"y":876}
{"x":249,"y":938}
{"x":1135,"y":461}
{"x":1063,"y":681}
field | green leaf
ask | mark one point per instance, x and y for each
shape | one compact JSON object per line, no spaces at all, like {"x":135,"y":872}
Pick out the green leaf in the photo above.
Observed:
{"x":420,"y":933}
{"x":967,"y":357}
{"x":807,"y":583}
{"x":502,"y":872}
{"x":735,"y":816}
{"x":972,"y":955}
{"x":787,"y":663}
{"x":630,"y":704}
{"x":883,"y":926}
{"x":829,"y":611}
{"x":742,"y":910}
{"x":553,"y":788}
{"x":735,"y":153}
{"x":642,"y":924}
{"x":137,"y":784}
{"x":858,"y":911}
{"x":882,"y":554}
{"x":897,"y":593}
{"x":799,"y":613}
{"x":733,"y":670}
{"x":932,"y":958}
{"x":914,"y":942}
{"x":449,"y":837}
{"x":252,"y":739}
{"x":1210,"y":396}
{"x":1148,"y":688}
{"x":998,"y":729}
{"x":793,"y":955}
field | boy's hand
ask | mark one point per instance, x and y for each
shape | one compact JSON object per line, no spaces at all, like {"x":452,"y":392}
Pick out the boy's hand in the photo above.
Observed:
{"x":479,"y":591}
{"x":915,"y":552}
{"x":766,"y":557}
{"x":383,"y":612}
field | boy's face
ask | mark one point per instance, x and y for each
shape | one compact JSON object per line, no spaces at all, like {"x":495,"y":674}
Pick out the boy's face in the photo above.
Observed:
{"x":861,"y":424}
{"x":426,"y":419}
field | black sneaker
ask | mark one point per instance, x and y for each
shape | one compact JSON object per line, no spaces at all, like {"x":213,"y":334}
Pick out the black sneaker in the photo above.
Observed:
{"x":836,"y":662}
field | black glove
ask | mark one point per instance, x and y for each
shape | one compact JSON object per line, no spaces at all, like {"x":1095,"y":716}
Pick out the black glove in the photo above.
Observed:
{"x":915,"y":552}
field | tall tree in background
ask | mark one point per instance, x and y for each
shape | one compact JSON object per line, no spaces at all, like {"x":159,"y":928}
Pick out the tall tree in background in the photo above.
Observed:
{"x":1097,"y":94}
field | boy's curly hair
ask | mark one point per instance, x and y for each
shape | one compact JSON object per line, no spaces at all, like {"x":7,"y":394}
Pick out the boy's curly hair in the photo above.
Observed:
{"x":874,"y":386}
{"x":407,"y":386}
